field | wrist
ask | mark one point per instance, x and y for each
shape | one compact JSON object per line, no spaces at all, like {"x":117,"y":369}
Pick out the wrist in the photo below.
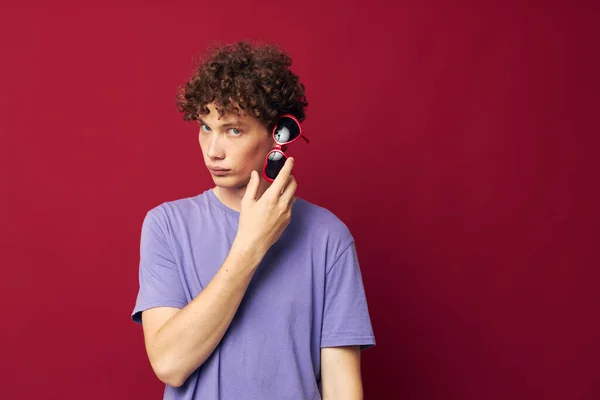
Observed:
{"x":247,"y":252}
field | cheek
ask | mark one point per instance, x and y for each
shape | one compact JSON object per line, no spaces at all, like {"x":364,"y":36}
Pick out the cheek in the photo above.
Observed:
{"x":254,"y":156}
{"x":202,"y":141}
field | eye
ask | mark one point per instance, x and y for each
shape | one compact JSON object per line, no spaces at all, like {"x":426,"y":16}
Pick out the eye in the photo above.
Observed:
{"x":235,"y":132}
{"x":204,"y":128}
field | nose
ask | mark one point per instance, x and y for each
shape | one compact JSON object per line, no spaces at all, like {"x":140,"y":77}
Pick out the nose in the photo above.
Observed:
{"x":215,"y":149}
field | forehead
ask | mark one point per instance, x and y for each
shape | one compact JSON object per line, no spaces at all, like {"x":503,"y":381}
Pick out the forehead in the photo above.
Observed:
{"x":229,"y":118}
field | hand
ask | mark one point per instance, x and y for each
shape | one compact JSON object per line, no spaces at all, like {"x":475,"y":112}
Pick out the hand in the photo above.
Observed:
{"x":263,"y":221}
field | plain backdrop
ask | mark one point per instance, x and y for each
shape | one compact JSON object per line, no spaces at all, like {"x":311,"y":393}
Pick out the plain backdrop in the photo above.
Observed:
{"x":457,"y":140}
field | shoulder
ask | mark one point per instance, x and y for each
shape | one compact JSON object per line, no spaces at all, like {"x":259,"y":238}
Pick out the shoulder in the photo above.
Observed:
{"x":177,"y":212}
{"x":321,"y":223}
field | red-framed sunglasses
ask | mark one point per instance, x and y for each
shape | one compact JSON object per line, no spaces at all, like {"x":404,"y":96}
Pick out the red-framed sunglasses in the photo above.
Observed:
{"x":287,"y":130}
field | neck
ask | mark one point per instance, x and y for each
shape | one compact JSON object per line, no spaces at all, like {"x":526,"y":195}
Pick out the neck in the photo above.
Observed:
{"x":232,"y":197}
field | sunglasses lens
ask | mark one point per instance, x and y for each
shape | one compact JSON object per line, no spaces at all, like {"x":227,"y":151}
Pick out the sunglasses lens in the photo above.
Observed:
{"x":286,"y":130}
{"x":275,"y":162}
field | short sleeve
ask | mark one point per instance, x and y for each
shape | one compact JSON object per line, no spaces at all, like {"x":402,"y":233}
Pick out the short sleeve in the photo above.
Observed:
{"x":159,"y":279}
{"x":346,"y":319}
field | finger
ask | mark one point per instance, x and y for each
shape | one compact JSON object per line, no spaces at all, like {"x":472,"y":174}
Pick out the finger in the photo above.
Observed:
{"x":285,"y":185}
{"x":252,"y":187}
{"x":288,"y":193}
{"x":282,"y":178}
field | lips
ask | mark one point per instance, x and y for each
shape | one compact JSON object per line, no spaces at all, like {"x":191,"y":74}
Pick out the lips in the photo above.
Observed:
{"x":219,"y":171}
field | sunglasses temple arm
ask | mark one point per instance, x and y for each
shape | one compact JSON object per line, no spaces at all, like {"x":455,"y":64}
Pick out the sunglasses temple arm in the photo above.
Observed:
{"x":305,"y":138}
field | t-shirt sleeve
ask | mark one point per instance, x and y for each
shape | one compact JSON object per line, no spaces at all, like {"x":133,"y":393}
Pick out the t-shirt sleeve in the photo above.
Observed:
{"x":346,"y":319}
{"x":159,"y":279}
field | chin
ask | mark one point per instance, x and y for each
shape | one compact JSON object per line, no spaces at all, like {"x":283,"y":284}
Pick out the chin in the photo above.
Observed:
{"x":229,"y":182}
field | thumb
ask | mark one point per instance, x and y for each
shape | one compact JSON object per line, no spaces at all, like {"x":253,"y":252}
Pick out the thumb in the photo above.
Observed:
{"x":252,"y":187}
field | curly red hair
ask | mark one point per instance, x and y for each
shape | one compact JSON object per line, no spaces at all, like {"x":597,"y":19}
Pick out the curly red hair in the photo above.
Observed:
{"x":255,"y":79}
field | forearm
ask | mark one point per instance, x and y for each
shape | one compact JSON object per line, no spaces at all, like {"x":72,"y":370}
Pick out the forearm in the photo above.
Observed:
{"x":186,"y":340}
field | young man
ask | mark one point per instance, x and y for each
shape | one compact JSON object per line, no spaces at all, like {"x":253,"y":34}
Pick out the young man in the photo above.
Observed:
{"x":246,"y":291}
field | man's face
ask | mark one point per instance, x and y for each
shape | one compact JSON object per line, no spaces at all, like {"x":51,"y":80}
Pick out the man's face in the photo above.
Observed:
{"x":232,"y":147}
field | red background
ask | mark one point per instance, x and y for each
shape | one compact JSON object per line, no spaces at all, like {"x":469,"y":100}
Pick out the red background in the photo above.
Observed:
{"x":457,"y":142}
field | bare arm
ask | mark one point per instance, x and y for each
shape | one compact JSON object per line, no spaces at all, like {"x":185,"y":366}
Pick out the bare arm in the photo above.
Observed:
{"x":179,"y":341}
{"x":340,"y":373}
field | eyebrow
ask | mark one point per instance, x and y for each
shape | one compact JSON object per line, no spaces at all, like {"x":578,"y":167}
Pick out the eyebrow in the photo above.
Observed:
{"x":227,"y":125}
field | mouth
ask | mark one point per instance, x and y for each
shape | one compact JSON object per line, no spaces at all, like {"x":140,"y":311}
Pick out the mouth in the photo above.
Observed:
{"x":218,"y":170}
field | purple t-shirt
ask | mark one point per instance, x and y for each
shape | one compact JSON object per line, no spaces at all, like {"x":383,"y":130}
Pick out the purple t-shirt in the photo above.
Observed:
{"x":306,"y":294}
